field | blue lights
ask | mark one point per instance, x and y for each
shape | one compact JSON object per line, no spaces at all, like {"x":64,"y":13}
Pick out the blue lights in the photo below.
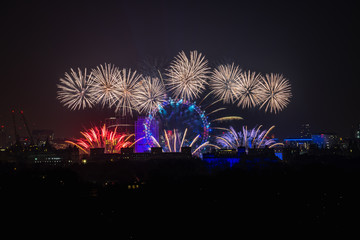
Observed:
{"x":297,"y":140}
{"x":177,"y":114}
{"x":279,"y":155}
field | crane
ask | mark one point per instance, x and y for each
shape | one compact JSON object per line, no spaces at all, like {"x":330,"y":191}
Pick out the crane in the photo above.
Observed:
{"x":17,"y":138}
{"x":27,"y":127}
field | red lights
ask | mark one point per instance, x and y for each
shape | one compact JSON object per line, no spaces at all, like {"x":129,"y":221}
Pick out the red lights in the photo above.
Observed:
{"x":95,"y":137}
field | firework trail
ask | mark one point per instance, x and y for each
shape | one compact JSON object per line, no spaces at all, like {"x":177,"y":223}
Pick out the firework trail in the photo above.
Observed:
{"x":275,"y":92}
{"x":150,"y":93}
{"x":126,"y":90}
{"x":106,"y":79}
{"x":75,"y":90}
{"x":187,"y":77}
{"x":248,"y":90}
{"x":225,"y":82}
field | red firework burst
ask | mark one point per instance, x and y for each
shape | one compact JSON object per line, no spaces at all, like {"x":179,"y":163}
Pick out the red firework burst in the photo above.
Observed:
{"x":95,"y":137}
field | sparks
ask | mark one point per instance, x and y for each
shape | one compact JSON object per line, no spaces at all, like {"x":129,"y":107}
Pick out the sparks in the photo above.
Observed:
{"x":75,"y":90}
{"x":247,"y":93}
{"x":225,"y":82}
{"x":106,"y":79}
{"x":126,"y":90}
{"x":275,"y":92}
{"x":95,"y":137}
{"x":150,"y":93}
{"x":187,"y":77}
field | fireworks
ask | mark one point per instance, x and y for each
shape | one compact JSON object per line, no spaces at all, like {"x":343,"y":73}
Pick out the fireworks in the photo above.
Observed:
{"x":106,"y":79}
{"x":188,"y":76}
{"x":75,"y":90}
{"x":248,"y":90}
{"x":175,"y":140}
{"x":182,"y":123}
{"x":126,"y":90}
{"x":253,"y":138}
{"x":275,"y":92}
{"x":224,"y":82}
{"x":96,"y":137}
{"x":150,"y":93}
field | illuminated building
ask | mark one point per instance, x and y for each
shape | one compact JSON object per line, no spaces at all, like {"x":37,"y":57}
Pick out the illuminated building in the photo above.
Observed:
{"x":302,"y":143}
{"x":42,"y":136}
{"x":142,"y":145}
{"x":357,"y":133}
{"x":325,"y":140}
{"x":223,"y":158}
{"x":305,"y":131}
{"x":99,"y":156}
{"x":45,"y":156}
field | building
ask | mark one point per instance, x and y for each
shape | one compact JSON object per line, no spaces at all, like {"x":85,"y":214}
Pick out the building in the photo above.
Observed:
{"x":142,"y":145}
{"x":325,"y":140}
{"x":42,"y":136}
{"x":53,"y":157}
{"x":302,"y":143}
{"x":223,"y":158}
{"x":98,"y":155}
{"x":305,"y":131}
{"x":357,"y":133}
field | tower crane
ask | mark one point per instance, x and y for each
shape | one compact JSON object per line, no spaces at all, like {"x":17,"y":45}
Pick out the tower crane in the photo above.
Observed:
{"x":27,"y":127}
{"x":17,"y":138}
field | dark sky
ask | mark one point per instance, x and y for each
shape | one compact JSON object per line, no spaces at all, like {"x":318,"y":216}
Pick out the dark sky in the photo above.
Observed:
{"x":312,"y":43}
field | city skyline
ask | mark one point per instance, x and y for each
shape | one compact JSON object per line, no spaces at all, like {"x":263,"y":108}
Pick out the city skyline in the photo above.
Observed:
{"x":310,"y":44}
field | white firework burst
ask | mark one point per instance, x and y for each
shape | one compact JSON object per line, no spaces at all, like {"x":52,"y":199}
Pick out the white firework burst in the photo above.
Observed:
{"x":126,"y":90}
{"x":105,"y":79}
{"x":275,"y":92}
{"x":150,"y":93}
{"x":75,"y":90}
{"x":224,"y":82}
{"x":187,"y":77}
{"x":248,"y":90}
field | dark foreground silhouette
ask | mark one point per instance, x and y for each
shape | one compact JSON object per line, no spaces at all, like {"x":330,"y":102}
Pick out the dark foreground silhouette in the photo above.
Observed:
{"x":180,"y":200}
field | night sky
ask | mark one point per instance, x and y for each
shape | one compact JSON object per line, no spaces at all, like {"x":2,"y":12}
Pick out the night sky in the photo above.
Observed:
{"x":311,"y":44}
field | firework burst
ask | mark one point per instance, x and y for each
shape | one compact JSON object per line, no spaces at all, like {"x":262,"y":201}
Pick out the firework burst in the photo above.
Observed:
{"x":95,"y":137}
{"x":275,"y":92}
{"x":126,"y":90}
{"x":187,"y":77}
{"x":106,"y":79}
{"x":75,"y":90}
{"x":224,"y":82}
{"x":253,"y":138}
{"x":150,"y":93}
{"x":248,"y":90}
